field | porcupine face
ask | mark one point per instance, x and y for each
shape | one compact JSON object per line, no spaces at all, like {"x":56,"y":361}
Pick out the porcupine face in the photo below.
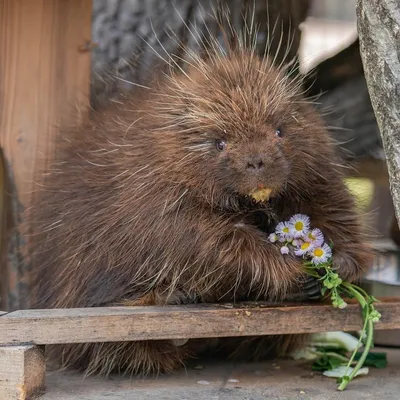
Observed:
{"x":244,"y":127}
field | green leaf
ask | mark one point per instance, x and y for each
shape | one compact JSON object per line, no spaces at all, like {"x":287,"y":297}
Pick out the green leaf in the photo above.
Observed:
{"x":326,"y":363}
{"x":374,"y":299}
{"x":343,"y":379}
{"x":332,"y":349}
{"x":328,"y":284}
{"x":377,"y":360}
{"x":319,"y":366}
{"x":374,"y":316}
{"x":334,"y":362}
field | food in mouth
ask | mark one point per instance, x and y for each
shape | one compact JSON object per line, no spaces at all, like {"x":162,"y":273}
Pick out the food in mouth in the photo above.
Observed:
{"x":261,"y":194}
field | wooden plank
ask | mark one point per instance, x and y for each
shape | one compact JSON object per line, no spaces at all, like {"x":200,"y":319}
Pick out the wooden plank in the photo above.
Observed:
{"x":178,"y":322}
{"x":22,"y":372}
{"x":44,"y":81}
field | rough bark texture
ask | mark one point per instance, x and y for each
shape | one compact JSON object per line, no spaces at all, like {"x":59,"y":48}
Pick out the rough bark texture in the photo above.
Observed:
{"x":128,"y":34}
{"x":121,"y":29}
{"x":378,"y":24}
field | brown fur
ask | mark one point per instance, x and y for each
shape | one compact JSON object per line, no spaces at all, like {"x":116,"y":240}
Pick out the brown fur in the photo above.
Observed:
{"x":140,"y":207}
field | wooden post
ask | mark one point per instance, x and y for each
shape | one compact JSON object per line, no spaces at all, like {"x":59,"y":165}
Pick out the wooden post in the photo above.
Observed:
{"x":22,"y":372}
{"x":44,"y":82}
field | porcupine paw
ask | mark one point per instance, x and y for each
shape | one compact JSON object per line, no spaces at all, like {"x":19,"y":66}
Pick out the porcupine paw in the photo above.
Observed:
{"x":308,"y":289}
{"x":312,"y":288}
{"x":181,"y":297}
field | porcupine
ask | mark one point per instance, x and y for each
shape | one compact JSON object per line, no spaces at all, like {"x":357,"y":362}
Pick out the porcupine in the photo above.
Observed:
{"x":148,"y":203}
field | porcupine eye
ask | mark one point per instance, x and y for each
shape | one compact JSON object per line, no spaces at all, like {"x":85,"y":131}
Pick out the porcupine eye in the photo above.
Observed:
{"x":278,"y":132}
{"x":220,"y":145}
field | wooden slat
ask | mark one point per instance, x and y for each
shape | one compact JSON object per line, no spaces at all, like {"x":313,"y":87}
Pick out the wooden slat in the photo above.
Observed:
{"x":177,"y":322}
{"x":22,"y":372}
{"x":44,"y":82}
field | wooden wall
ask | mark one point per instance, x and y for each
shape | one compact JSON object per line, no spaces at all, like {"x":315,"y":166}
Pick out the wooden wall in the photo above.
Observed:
{"x":44,"y":80}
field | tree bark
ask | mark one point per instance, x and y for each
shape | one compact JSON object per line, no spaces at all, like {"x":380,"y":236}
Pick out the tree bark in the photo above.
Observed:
{"x":378,"y":23}
{"x":124,"y":29}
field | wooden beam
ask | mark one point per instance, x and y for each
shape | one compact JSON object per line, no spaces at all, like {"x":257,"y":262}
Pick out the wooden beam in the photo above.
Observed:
{"x":178,"y":322}
{"x":44,"y":82}
{"x":22,"y":372}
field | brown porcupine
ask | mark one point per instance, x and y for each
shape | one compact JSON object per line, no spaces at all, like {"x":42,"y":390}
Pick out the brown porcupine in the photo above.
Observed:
{"x":148,"y":203}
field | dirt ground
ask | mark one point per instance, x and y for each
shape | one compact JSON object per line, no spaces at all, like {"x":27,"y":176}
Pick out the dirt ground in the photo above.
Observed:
{"x":281,"y":380}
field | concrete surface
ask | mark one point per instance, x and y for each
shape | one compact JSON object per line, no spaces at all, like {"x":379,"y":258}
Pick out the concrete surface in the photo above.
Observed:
{"x":281,"y":380}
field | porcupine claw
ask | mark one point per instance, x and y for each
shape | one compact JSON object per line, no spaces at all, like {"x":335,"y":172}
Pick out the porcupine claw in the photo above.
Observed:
{"x":312,"y":288}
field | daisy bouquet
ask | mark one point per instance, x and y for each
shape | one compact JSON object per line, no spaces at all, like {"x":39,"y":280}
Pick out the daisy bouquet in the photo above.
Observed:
{"x":297,"y":237}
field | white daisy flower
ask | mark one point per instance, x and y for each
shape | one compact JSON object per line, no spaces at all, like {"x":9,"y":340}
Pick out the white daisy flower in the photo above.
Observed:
{"x":283,"y":230}
{"x":273,"y":237}
{"x":299,"y":225}
{"x":320,"y":254}
{"x":315,"y":236}
{"x":288,"y":239}
{"x":304,"y":248}
{"x":285,"y":250}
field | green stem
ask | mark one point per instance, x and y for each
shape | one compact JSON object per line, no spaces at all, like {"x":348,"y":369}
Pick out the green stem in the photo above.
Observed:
{"x":368,"y":328}
{"x":362,"y":291}
{"x":332,"y":354}
{"x":337,"y":287}
{"x":312,"y":273}
{"x":364,"y":355}
{"x":355,"y":290}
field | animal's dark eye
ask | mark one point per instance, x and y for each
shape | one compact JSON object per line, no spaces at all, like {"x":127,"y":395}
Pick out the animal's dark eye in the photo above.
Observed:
{"x":279,"y":132}
{"x":220,"y":145}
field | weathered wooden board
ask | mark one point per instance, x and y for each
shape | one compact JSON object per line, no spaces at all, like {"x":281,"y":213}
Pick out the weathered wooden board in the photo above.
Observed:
{"x":176,"y":322}
{"x":22,"y":372}
{"x":44,"y":81}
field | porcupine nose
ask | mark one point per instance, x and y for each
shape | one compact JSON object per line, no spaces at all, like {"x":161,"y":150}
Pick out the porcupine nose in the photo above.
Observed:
{"x":255,"y":164}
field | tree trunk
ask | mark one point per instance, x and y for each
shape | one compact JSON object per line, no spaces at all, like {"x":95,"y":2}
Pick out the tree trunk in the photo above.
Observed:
{"x":124,"y":29}
{"x":378,"y":23}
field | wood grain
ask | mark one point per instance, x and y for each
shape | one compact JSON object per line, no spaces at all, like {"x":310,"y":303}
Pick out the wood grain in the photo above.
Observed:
{"x":44,"y":82}
{"x":178,"y":322}
{"x":22,"y":372}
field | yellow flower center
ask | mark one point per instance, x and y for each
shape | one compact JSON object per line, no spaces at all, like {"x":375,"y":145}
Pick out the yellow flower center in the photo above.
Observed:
{"x":298,"y":226}
{"x":310,"y":236}
{"x":286,"y":230}
{"x":305,"y":246}
{"x":318,"y":252}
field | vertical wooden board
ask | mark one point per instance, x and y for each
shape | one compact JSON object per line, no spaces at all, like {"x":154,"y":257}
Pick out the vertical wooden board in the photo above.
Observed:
{"x":22,"y":372}
{"x":44,"y":82}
